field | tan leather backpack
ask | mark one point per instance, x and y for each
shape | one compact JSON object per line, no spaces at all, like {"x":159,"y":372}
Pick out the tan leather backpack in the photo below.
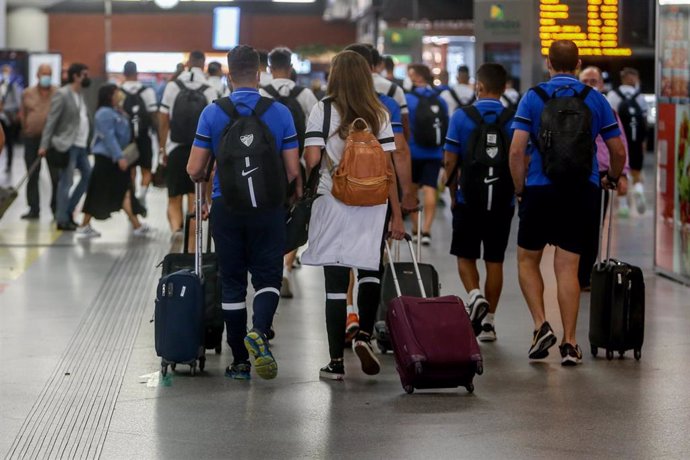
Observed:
{"x":364,"y":174}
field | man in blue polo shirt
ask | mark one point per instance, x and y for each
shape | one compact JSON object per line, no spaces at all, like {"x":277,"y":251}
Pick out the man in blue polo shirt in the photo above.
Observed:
{"x":554,"y":210}
{"x":482,"y":220}
{"x":247,"y":240}
{"x":428,"y":123}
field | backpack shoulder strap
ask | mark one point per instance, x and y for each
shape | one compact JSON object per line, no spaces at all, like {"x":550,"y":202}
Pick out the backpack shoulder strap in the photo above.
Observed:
{"x":262,"y":105}
{"x":202,"y":89}
{"x":296,"y":91}
{"x":141,"y":90}
{"x":455,"y":96}
{"x":505,"y":116}
{"x":270,"y":89}
{"x":227,"y":106}
{"x":181,"y":85}
{"x":473,"y":114}
{"x":327,"y":107}
{"x":392,"y":90}
{"x":620,"y":93}
{"x":585,"y":92}
{"x":541,"y":92}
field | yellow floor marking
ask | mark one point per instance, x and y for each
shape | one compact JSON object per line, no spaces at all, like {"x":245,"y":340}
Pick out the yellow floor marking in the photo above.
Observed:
{"x":21,"y":244}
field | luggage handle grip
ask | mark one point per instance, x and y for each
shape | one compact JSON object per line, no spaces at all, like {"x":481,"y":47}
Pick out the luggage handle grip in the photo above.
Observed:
{"x":601,"y":226}
{"x":408,"y":239}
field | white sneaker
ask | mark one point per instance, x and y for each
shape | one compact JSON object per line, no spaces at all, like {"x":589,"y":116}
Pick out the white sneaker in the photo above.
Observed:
{"x":86,"y":231}
{"x":488,"y":333}
{"x":141,"y":231}
{"x":640,"y":202}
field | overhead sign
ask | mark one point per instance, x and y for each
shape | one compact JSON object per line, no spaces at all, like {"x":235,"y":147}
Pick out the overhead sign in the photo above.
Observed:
{"x":592,"y":24}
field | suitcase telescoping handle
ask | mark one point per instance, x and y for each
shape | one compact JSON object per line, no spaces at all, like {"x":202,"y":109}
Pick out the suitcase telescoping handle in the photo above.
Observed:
{"x":602,"y":217}
{"x":408,"y":239}
{"x":198,"y":195}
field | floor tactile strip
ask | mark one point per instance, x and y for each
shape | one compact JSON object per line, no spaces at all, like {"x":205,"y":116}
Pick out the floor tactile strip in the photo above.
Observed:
{"x":71,"y":416}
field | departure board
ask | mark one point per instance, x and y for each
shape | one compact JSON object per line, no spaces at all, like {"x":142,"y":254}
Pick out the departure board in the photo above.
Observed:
{"x":592,"y":24}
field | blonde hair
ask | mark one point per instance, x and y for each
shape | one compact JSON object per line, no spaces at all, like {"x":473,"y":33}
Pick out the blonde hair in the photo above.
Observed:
{"x":351,"y":87}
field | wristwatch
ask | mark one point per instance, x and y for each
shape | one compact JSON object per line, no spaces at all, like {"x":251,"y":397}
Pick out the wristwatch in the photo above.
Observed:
{"x":611,"y":180}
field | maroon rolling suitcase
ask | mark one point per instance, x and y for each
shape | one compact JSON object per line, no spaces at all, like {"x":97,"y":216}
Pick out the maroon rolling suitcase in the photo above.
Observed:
{"x":432,"y":339}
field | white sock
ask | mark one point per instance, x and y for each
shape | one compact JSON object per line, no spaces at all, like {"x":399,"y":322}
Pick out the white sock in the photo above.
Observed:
{"x":352,"y":309}
{"x":286,"y":272}
{"x":143,"y":191}
{"x":489,"y":318}
{"x":639,"y":187}
{"x":473,"y":294}
{"x":623,"y":201}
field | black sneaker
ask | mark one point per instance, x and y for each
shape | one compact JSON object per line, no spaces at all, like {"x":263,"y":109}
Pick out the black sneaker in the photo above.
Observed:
{"x":570,"y":355}
{"x":477,"y":311}
{"x":426,"y":239}
{"x":239,"y":371}
{"x":335,"y":370}
{"x":542,"y":340}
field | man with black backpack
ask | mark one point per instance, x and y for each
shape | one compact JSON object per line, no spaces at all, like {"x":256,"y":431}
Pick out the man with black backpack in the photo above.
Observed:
{"x":628,"y":101}
{"x":183,"y":101}
{"x":141,"y":106}
{"x":429,"y":124}
{"x":299,"y":100}
{"x":559,"y":189}
{"x":253,"y":141}
{"x":477,"y":163}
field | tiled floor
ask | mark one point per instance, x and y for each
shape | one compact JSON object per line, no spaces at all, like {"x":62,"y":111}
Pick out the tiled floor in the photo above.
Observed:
{"x":67,"y":307}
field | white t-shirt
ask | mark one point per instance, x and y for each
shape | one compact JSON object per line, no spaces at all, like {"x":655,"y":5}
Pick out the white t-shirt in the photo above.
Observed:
{"x":511,"y":96}
{"x":382,"y":85}
{"x":265,"y":78}
{"x":306,"y":98}
{"x":342,"y":235}
{"x":82,"y":138}
{"x":192,"y":79}
{"x":465,"y":93}
{"x":219,"y":85}
{"x":148,"y":95}
{"x":627,"y":90}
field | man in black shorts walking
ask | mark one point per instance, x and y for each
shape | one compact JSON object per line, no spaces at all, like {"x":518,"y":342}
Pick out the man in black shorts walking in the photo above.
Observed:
{"x":556,"y":200}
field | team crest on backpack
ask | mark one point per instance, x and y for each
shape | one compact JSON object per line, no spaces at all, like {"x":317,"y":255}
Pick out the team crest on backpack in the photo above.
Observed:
{"x":247,"y":139}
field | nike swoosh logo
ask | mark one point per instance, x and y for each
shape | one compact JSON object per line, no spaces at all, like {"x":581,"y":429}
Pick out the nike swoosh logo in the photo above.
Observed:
{"x":246,"y":173}
{"x":490,"y":181}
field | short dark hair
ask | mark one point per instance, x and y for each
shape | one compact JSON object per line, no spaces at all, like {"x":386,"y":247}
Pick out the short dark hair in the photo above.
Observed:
{"x":376,"y":58}
{"x":75,"y":69}
{"x":105,"y":95}
{"x":363,"y":50}
{"x":243,"y":63}
{"x":263,"y":58}
{"x":463,"y":69}
{"x":130,"y":69}
{"x":197,"y":57}
{"x":564,"y":55}
{"x":493,"y":76}
{"x":214,"y":68}
{"x":389,"y":62}
{"x":280,"y":58}
{"x":423,"y":71}
{"x":629,"y":71}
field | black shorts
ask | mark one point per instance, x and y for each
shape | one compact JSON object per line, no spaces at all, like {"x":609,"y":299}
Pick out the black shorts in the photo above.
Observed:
{"x":176,"y":178}
{"x":476,"y":228}
{"x":145,"y":160}
{"x":636,"y":155}
{"x":557,"y":215}
{"x":425,"y":172}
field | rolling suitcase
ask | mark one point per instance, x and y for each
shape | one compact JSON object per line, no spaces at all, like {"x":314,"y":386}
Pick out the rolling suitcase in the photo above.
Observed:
{"x":432,"y":339}
{"x":214,"y":324}
{"x":407,"y":279}
{"x":179,"y":313}
{"x":9,"y":194}
{"x":617,"y":303}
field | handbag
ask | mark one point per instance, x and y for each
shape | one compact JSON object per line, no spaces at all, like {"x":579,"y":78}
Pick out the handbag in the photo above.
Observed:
{"x":131,"y":153}
{"x":299,"y":215}
{"x":57,"y":159}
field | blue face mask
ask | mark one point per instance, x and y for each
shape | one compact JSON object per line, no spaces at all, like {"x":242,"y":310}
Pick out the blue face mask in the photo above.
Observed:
{"x":45,"y":81}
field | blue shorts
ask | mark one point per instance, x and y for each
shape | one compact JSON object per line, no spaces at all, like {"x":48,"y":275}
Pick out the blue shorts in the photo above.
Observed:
{"x":425,"y":172}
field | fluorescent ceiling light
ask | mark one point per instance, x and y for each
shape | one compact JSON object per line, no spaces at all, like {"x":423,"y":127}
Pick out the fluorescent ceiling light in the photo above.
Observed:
{"x":293,"y":1}
{"x":674,"y":2}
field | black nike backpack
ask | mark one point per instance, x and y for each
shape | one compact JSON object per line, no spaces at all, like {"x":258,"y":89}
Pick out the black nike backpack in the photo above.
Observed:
{"x":633,"y":119}
{"x":139,"y":117}
{"x":565,"y":136}
{"x":290,"y":101}
{"x":250,"y":170}
{"x":431,"y":121}
{"x":485,"y":178}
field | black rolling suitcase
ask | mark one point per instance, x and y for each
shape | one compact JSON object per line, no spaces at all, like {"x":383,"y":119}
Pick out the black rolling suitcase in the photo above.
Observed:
{"x":179,"y":314}
{"x":409,"y":286}
{"x":617,"y":304}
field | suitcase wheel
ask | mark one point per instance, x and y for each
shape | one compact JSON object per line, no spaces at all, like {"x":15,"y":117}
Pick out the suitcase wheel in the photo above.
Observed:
{"x":470,"y":387}
{"x":609,"y":354}
{"x":621,"y":354}
{"x":173,"y":366}
{"x":192,"y":369}
{"x":409,"y":389}
{"x":164,"y":370}
{"x":219,"y":349}
{"x":382,"y":347}
{"x":202,"y":363}
{"x":594,"y":350}
{"x":480,"y":368}
{"x":638,"y":354}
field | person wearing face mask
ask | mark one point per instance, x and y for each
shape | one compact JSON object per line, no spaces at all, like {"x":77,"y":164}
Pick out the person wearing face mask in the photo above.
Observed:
{"x":64,"y":141}
{"x":10,"y":100}
{"x":33,"y":115}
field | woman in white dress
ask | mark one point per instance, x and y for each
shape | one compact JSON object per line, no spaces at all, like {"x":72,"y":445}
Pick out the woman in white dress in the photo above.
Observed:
{"x":342,"y":237}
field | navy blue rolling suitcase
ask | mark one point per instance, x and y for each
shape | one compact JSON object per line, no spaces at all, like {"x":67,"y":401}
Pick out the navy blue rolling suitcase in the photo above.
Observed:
{"x":179,"y":314}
